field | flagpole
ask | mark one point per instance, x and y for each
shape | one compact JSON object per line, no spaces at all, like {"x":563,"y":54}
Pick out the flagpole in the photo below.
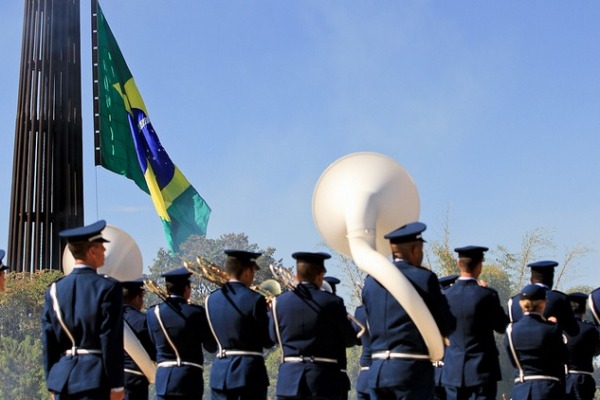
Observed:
{"x":94,"y":15}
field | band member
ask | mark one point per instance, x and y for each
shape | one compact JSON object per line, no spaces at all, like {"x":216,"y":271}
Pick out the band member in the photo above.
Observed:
{"x":536,"y":349}
{"x":333,"y":282}
{"x":557,"y":305}
{"x":362,"y":382}
{"x":594,"y":304}
{"x":580,"y":383}
{"x":341,"y":348}
{"x":2,"y":269}
{"x":136,"y":383}
{"x":471,"y":365}
{"x":179,"y":331}
{"x":239,"y":321}
{"x":309,"y":325}
{"x":82,"y":328}
{"x":401,"y":367}
{"x":439,"y":392}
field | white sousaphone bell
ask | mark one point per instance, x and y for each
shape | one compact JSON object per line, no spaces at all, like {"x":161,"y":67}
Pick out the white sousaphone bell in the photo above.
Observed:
{"x":123,"y":262}
{"x":357,"y":200}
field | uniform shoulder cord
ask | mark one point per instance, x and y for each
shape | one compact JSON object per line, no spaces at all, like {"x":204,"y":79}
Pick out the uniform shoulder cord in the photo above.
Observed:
{"x":274,"y":306}
{"x":56,"y":308}
{"x":514,"y":352}
{"x":212,"y":329}
{"x":162,"y":326}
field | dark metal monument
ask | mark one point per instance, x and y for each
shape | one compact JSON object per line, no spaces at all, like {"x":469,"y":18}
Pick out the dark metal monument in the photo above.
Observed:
{"x":47,"y":187}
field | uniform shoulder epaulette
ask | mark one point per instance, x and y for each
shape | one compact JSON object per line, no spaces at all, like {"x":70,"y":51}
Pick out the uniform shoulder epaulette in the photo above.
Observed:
{"x":559,"y":292}
{"x":153,"y":305}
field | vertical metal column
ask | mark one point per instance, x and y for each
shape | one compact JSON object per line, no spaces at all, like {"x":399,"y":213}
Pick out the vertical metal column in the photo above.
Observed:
{"x":47,"y":187}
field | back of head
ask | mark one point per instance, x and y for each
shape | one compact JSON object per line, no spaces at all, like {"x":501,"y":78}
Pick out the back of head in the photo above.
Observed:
{"x":532,"y":298}
{"x":132,"y":290}
{"x":469,"y":257}
{"x":578,"y":302}
{"x":543,"y":272}
{"x":238,"y":261}
{"x":404,"y":241}
{"x":177,"y":280}
{"x":310,"y":265}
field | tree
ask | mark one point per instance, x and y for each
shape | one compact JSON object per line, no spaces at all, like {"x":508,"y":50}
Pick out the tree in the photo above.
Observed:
{"x":212,"y":250}
{"x":21,"y":305}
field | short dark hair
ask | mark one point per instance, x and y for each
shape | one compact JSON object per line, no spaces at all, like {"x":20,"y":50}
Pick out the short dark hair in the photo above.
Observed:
{"x":236,"y":267}
{"x":79,"y":249}
{"x":577,"y":307}
{"x":131,"y":292}
{"x":308,"y":271}
{"x":469,"y":263}
{"x":177,"y":286}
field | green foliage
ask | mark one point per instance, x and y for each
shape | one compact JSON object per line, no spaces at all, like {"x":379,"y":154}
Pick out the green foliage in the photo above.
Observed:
{"x":21,"y":305}
{"x":21,"y":372}
{"x":272,"y":362}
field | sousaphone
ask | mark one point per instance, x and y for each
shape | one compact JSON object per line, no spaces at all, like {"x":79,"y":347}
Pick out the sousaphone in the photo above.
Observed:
{"x":358,"y":199}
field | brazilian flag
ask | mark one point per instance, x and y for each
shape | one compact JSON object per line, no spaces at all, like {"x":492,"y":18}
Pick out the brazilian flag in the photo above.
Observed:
{"x":128,"y":145}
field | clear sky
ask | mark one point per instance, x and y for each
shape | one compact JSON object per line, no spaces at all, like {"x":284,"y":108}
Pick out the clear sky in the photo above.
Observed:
{"x":492,"y":107}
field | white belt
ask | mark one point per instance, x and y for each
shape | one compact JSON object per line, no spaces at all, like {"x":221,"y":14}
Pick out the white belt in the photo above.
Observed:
{"x":536,"y":377}
{"x":574,"y":371}
{"x":364,"y":368}
{"x":386,"y":355}
{"x":225,"y":353}
{"x":168,"y":364}
{"x":79,"y":352}
{"x":134,"y":372}
{"x":310,"y":359}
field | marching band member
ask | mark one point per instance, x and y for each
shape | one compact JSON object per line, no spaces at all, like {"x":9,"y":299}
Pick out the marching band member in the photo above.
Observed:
{"x":536,"y":349}
{"x":439,"y":392}
{"x":82,"y":327}
{"x":471,"y":365}
{"x":178,"y":331}
{"x":557,"y":305}
{"x":580,"y":383}
{"x":136,"y":383}
{"x":238,"y":317}
{"x":332,"y":282}
{"x":309,"y":325}
{"x":401,"y":368}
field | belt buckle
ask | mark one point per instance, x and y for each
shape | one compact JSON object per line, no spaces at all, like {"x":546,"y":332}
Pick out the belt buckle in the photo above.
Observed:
{"x":388,"y":354}
{"x":312,"y":359}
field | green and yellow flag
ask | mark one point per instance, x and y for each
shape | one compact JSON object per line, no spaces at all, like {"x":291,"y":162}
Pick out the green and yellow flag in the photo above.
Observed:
{"x":128,"y":145}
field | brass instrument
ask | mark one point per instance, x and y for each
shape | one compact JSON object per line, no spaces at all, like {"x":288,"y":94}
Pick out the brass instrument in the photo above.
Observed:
{"x":208,"y":271}
{"x":269,"y":288}
{"x":153,"y":287}
{"x":283,"y":276}
{"x":212,"y":273}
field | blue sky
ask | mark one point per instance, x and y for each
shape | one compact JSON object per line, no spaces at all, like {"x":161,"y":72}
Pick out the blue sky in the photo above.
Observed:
{"x":492,"y":107}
